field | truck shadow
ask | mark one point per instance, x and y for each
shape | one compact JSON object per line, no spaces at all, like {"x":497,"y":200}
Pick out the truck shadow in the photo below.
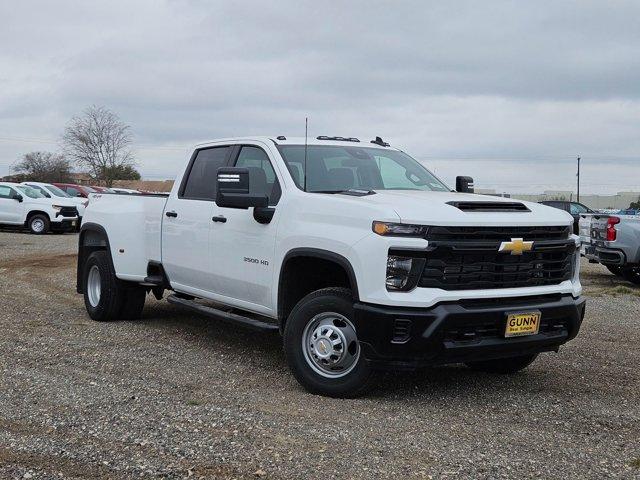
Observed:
{"x":263,"y":352}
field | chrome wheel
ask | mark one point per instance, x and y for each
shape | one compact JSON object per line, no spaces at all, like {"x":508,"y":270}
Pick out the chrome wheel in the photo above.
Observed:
{"x":93,"y":286}
{"x":330,"y":345}
{"x":37,"y":225}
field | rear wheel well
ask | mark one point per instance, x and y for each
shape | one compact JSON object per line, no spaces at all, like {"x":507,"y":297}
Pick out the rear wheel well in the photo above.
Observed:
{"x":303,"y":274}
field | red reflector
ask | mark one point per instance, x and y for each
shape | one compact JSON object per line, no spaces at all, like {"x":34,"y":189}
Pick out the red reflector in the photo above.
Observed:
{"x":611,"y":229}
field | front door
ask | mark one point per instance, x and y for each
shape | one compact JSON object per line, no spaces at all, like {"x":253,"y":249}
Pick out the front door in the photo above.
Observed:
{"x":10,"y":208}
{"x":187,"y":224}
{"x":242,"y":250}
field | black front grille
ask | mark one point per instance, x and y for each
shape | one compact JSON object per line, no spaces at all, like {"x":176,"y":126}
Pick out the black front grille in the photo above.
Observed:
{"x":479,"y":265}
{"x":498,"y":233}
{"x":473,"y":331}
{"x":68,"y":212}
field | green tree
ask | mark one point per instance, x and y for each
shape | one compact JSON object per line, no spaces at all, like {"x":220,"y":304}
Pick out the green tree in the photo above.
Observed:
{"x":635,"y":205}
{"x":122,"y":172}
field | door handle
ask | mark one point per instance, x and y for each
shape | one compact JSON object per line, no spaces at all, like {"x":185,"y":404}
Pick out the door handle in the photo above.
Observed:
{"x":171,"y":214}
{"x":220,"y":219}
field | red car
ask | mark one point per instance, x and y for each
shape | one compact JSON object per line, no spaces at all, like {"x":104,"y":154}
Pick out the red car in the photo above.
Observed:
{"x":76,"y":190}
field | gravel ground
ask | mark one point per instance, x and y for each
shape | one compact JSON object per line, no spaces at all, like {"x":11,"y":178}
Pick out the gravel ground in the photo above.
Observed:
{"x":175,"y":395}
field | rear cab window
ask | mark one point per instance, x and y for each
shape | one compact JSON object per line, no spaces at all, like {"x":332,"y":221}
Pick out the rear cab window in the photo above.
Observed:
{"x":200,"y":181}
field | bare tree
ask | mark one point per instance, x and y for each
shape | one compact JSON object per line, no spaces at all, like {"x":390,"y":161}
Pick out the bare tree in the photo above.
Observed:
{"x":99,"y":141}
{"x":43,"y":167}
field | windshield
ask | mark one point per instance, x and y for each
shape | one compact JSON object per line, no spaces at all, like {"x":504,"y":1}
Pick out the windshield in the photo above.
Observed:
{"x":337,"y":168}
{"x":90,"y":189}
{"x":30,"y":192}
{"x":58,"y":192}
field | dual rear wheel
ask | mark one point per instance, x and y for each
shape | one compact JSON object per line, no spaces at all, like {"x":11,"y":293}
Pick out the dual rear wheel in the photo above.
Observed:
{"x":105,"y":296}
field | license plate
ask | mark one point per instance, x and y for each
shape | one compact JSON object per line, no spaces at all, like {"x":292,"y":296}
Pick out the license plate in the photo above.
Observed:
{"x":521,"y":324}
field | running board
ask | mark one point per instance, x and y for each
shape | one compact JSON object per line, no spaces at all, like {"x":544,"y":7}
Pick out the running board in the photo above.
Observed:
{"x":229,"y":317}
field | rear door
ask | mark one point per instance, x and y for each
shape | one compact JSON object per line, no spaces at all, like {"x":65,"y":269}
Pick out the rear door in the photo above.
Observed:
{"x":10,"y":209}
{"x":186,"y":225}
{"x":242,"y":249}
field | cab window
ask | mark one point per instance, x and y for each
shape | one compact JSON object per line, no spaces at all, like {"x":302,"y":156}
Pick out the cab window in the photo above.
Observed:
{"x":262,"y":177}
{"x":6,"y":192}
{"x":577,"y":209}
{"x":203,"y":174}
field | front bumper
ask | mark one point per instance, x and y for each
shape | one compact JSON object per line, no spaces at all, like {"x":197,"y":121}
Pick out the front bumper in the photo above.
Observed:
{"x":464,"y":331}
{"x":66,"y":225}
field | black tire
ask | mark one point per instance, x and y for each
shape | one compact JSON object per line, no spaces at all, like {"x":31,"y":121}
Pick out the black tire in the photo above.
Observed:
{"x":38,"y":224}
{"x":632,"y":275}
{"x":615,"y":269}
{"x":116,"y":300}
{"x":503,"y":365}
{"x":327,"y":300}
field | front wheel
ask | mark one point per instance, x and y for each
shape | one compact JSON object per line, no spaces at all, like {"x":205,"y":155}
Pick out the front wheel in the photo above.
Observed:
{"x":38,"y":224}
{"x":503,"y":365}
{"x":321,"y":345}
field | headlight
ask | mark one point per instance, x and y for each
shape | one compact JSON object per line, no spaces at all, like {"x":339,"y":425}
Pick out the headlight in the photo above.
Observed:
{"x":57,"y":207}
{"x":399,"y":229}
{"x":403,"y":272}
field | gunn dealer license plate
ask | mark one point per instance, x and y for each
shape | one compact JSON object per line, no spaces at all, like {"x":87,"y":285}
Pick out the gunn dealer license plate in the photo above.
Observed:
{"x":521,"y":324}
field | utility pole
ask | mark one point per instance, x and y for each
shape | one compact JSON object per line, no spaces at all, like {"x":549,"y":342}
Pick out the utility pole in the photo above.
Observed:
{"x":578,"y":175}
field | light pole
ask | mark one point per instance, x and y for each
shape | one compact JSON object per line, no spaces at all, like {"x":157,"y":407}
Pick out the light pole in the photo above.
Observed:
{"x":578,"y":175}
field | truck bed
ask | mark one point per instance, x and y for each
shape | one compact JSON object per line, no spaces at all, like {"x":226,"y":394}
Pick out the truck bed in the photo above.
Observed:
{"x":134,"y":223}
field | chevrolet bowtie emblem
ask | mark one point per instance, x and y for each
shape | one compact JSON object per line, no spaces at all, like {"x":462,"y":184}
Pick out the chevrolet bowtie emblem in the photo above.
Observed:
{"x":516,"y":246}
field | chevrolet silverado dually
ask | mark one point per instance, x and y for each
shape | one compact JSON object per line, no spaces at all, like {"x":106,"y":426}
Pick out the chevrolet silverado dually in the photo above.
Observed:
{"x":354,"y":252}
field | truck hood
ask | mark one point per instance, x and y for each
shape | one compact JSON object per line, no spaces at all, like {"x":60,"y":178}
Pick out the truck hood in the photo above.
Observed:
{"x":434,"y":208}
{"x":64,"y":202}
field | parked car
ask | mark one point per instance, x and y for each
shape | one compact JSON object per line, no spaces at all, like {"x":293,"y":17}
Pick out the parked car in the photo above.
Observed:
{"x":357,"y":254}
{"x":102,"y":189}
{"x":51,"y":191}
{"x":613,"y":241}
{"x":23,"y":205}
{"x":574,"y":208}
{"x":628,"y":211}
{"x":124,"y":190}
{"x":76,"y":190}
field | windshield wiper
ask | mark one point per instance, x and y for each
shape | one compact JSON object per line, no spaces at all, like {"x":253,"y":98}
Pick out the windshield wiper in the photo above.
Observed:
{"x":351,"y":191}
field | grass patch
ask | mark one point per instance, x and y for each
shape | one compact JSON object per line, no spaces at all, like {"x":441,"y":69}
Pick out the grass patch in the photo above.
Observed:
{"x":635,"y":463}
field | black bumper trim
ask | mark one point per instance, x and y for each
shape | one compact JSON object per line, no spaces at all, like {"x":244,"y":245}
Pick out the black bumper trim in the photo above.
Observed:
{"x":458,"y":332}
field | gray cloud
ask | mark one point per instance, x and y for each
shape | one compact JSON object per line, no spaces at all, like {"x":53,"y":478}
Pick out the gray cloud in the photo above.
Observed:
{"x":514,"y":85}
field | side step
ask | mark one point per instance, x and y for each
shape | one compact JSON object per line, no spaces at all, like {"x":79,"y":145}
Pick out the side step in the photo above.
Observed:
{"x":153,"y":281}
{"x":229,"y":317}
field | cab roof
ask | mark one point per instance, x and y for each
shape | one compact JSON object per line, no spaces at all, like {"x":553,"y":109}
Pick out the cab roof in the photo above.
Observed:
{"x":318,"y":140}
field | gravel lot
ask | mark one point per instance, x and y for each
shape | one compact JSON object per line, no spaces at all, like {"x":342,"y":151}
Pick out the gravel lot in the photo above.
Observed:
{"x":175,"y":395}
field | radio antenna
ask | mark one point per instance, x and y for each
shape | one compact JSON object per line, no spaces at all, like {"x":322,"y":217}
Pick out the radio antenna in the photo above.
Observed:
{"x":304,"y":167}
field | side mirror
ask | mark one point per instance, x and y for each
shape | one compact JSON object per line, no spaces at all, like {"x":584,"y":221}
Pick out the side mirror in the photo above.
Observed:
{"x":233,"y":189}
{"x":18,"y":197}
{"x":464,"y":184}
{"x":78,"y":194}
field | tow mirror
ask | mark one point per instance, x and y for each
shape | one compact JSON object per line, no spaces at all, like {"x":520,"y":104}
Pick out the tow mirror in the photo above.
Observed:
{"x":18,"y":197}
{"x":464,"y":184}
{"x":233,"y":189}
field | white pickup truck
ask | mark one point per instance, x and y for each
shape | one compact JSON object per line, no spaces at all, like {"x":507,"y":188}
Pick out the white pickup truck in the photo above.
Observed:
{"x":354,"y":252}
{"x":21,"y":205}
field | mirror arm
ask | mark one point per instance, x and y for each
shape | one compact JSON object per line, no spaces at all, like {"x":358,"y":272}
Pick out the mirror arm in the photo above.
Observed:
{"x":263,"y":215}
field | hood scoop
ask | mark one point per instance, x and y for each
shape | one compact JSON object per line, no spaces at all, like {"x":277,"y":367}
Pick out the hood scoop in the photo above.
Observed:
{"x":490,"y":206}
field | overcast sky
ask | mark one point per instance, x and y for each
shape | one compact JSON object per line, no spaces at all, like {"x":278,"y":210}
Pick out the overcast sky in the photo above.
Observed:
{"x":507,"y":92}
